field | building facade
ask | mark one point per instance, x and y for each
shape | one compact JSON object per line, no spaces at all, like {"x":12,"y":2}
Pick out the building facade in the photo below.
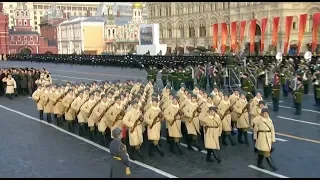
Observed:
{"x":81,"y":35}
{"x":4,"y":32}
{"x":189,"y":24}
{"x":122,"y":32}
{"x":39,"y":9}
{"x":21,"y":37}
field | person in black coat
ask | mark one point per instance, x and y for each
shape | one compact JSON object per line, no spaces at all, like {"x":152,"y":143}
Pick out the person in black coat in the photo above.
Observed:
{"x":120,"y":164}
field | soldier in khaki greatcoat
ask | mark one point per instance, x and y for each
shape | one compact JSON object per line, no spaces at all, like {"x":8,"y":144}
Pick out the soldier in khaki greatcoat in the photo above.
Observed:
{"x":96,"y":112}
{"x":213,"y":128}
{"x":240,"y":111}
{"x":265,"y":138}
{"x":192,"y":122}
{"x":36,"y":97}
{"x":217,"y":98}
{"x":152,"y":118}
{"x":85,"y":111}
{"x":225,"y":115}
{"x":11,"y":85}
{"x":133,"y":119}
{"x":234,"y":97}
{"x":77,"y":103}
{"x":69,"y":113}
{"x":115,"y":114}
{"x":58,"y":108}
{"x":173,"y":116}
{"x":44,"y":100}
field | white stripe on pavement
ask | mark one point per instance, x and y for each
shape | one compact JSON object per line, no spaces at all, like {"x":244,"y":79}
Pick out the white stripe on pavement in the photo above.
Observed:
{"x":103,"y":74}
{"x":296,"y":120}
{"x":267,"y":172}
{"x":287,"y":107}
{"x":88,"y":141}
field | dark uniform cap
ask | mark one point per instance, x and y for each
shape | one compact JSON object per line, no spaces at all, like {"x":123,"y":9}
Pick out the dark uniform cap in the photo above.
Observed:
{"x":80,"y":92}
{"x":69,"y":90}
{"x":133,"y":102}
{"x":116,"y":132}
{"x":155,"y":99}
{"x":122,"y":94}
{"x":262,"y":102}
{"x":246,"y":74}
{"x":87,"y":89}
{"x":263,"y":110}
{"x":47,"y":86}
{"x":168,"y":86}
{"x":111,"y":92}
{"x":136,"y":96}
{"x":98,"y":91}
{"x":212,"y":108}
{"x":91,"y":94}
{"x":203,"y":90}
{"x":117,"y":97}
{"x":94,"y":82}
{"x":175,"y":97}
{"x":103,"y":96}
{"x":194,"y":96}
{"x":182,"y":85}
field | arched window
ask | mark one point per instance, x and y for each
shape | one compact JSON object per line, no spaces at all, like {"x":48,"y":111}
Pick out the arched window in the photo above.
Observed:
{"x":139,"y":13}
{"x":181,"y":31}
{"x":169,"y":30}
{"x":31,"y":38}
{"x":17,"y":13}
{"x":192,"y":31}
{"x":25,"y":23}
{"x":135,"y":13}
{"x":22,"y":13}
{"x":202,"y":28}
{"x":27,"y":14}
{"x":20,"y":22}
{"x":19,"y":38}
{"x":25,"y":38}
{"x":109,"y":32}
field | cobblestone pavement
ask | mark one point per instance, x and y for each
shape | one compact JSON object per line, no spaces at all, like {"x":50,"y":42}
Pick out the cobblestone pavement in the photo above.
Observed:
{"x":34,"y":149}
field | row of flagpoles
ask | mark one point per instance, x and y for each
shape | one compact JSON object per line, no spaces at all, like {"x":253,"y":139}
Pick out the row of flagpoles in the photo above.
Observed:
{"x":264,"y":22}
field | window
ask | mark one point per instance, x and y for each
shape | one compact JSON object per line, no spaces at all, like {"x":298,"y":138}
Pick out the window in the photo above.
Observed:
{"x":27,"y":14}
{"x":31,"y":38}
{"x":294,"y":25}
{"x":40,"y":7}
{"x":25,"y":23}
{"x":20,"y":23}
{"x":17,"y":14}
{"x":109,"y":32}
{"x":139,"y":13}
{"x":10,"y":5}
{"x":25,"y":38}
{"x":36,"y":28}
{"x":160,"y":12}
{"x":112,"y":32}
{"x":135,"y":13}
{"x":19,"y":38}
{"x":11,"y":11}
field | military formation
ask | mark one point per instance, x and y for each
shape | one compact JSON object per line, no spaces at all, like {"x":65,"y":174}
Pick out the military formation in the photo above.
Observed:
{"x":204,"y":101}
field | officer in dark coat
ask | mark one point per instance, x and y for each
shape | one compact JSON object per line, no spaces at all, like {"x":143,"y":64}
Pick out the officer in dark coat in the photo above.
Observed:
{"x":24,"y":82}
{"x":120,"y":165}
{"x":276,"y":93}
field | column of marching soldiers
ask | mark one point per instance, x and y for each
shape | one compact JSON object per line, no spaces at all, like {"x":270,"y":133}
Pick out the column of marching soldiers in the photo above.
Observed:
{"x":141,"y":109}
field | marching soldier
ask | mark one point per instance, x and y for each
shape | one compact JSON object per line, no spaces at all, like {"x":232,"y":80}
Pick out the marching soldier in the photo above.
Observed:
{"x":276,"y":93}
{"x":152,"y":118}
{"x":246,"y":86}
{"x":265,"y":132}
{"x":58,"y":108}
{"x":173,"y":116}
{"x":76,"y":104}
{"x":120,"y":166}
{"x":84,"y":111}
{"x":234,"y":97}
{"x":69,"y":113}
{"x":44,"y":98}
{"x":36,"y":97}
{"x":213,"y":128}
{"x":191,"y":114}
{"x":298,"y":95}
{"x":164,"y":76}
{"x":224,"y":108}
{"x":133,"y":119}
{"x":254,"y":103}
{"x":285,"y":82}
{"x":241,"y":112}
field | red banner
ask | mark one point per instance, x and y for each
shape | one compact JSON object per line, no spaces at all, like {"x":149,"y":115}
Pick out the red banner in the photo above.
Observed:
{"x":224,"y":37}
{"x":287,"y":33}
{"x":242,"y":30}
{"x":302,"y":27}
{"x":316,"y":19}
{"x":215,"y":36}
{"x":234,"y":36}
{"x":253,"y":25}
{"x":276,"y":21}
{"x":264,"y":22}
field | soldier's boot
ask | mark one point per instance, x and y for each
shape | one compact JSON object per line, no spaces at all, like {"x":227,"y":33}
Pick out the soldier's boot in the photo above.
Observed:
{"x":246,"y":139}
{"x":209,"y":152}
{"x":179,"y":148}
{"x":168,"y":137}
{"x":139,"y":153}
{"x":55,"y":119}
{"x":69,"y":127}
{"x":215,"y":154}
{"x":150,"y":149}
{"x":260,"y":161}
{"x":49,"y":118}
{"x":231,"y":140}
{"x":104,"y":140}
{"x":240,"y":133}
{"x":271,"y":164}
{"x":158,"y":148}
{"x":195,"y":143}
{"x":172,"y":147}
{"x":92,"y":136}
{"x":80,"y":130}
{"x":224,"y":139}
{"x":41,"y":114}
{"x":189,"y":142}
{"x":10,"y":96}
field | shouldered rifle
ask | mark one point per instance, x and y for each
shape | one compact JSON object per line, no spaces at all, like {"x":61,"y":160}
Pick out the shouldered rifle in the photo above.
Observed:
{"x":140,"y":119}
{"x":159,"y":116}
{"x":82,"y":105}
{"x":104,"y":111}
{"x":180,"y":113}
{"x":247,"y":107}
{"x":94,"y":106}
{"x":59,"y":98}
{"x":228,"y":110}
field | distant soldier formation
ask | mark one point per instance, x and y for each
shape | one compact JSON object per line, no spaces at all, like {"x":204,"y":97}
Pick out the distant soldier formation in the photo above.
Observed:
{"x":195,"y":104}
